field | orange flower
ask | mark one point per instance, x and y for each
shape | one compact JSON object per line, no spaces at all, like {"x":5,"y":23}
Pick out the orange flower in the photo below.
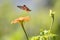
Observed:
{"x":20,"y":19}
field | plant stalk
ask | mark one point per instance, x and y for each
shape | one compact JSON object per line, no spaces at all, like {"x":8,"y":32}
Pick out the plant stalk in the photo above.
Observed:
{"x":24,"y":30}
{"x":51,"y":25}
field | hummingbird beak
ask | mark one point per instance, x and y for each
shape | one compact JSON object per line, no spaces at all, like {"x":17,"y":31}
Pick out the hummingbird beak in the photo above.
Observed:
{"x":18,"y":6}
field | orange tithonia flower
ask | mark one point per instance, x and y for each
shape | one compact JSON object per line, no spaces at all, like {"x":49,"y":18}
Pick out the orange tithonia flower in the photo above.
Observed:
{"x":20,"y":19}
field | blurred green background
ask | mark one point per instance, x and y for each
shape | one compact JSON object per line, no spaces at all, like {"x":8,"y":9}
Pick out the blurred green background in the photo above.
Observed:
{"x":40,"y":18}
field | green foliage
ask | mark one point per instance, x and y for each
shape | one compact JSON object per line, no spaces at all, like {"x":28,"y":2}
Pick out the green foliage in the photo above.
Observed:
{"x":45,"y":35}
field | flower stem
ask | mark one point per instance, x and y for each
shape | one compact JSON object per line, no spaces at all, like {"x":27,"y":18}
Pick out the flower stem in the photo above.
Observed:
{"x":24,"y":30}
{"x":51,"y":25}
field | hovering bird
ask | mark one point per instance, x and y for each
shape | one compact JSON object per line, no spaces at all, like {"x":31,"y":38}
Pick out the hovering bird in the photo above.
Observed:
{"x":24,"y":7}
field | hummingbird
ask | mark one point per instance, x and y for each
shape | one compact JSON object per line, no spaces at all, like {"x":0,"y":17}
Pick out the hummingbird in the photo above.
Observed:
{"x":24,"y":7}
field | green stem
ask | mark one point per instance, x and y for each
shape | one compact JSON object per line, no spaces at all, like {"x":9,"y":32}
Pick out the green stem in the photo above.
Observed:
{"x":52,"y":15}
{"x":51,"y":25}
{"x":24,"y":30}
